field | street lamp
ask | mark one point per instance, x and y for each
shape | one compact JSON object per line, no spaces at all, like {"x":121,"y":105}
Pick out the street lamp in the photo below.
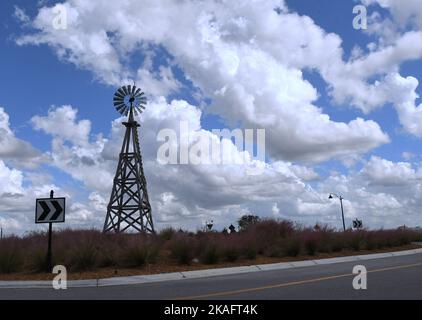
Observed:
{"x":332,"y":195}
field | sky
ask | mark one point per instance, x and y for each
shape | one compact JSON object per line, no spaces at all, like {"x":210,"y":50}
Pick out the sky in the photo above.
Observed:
{"x":339,"y":105}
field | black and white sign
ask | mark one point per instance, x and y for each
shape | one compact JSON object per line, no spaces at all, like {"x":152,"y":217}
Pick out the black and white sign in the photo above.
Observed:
{"x":357,"y":224}
{"x":50,"y":210}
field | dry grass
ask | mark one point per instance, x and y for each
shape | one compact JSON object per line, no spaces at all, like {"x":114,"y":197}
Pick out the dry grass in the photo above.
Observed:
{"x":91,"y":254}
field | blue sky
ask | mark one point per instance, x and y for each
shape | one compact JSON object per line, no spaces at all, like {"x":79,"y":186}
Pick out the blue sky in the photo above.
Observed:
{"x":47,"y":81}
{"x":336,"y":16}
{"x":35,"y":81}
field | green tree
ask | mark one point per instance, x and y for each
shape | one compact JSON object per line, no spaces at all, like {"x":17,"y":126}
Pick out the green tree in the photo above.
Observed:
{"x":247,"y":220}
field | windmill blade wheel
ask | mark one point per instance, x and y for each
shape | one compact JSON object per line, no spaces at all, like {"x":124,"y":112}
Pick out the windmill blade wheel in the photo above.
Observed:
{"x":128,"y":98}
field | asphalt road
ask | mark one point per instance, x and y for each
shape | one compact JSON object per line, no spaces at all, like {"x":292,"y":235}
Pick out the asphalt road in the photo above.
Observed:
{"x":387,"y":278}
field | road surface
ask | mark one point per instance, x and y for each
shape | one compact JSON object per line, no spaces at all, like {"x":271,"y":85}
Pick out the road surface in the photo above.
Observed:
{"x":387,"y":278}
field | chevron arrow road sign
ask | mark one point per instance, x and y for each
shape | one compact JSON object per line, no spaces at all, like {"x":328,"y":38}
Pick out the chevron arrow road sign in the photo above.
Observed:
{"x":50,"y":210}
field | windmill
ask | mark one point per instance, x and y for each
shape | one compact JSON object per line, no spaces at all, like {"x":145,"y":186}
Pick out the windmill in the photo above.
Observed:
{"x":129,"y":207}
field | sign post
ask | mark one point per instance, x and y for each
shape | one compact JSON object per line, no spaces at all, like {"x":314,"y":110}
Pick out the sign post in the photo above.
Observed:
{"x":50,"y":210}
{"x":50,"y":231}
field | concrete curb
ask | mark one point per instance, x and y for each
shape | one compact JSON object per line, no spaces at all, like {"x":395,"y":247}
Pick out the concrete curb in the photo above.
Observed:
{"x":121,"y":281}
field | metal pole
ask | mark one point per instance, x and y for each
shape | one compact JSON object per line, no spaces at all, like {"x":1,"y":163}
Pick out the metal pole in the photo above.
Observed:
{"x":342,"y":212}
{"x":49,"y":254}
{"x":49,"y":251}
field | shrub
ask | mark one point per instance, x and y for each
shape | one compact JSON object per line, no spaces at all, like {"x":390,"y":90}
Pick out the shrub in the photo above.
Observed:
{"x":182,"y":250}
{"x":108,"y":258}
{"x":262,"y":235}
{"x":167,"y":233}
{"x":10,"y":261}
{"x":210,"y":255}
{"x":338,"y":243}
{"x":139,"y":256}
{"x":83,"y":258}
{"x":246,"y":244}
{"x":11,"y":257}
{"x":369,"y":242}
{"x":310,"y":246}
{"x":38,"y":262}
{"x":230,"y":253}
{"x":355,"y":240}
{"x":402,"y":238}
{"x":251,"y":253}
{"x":83,"y":250}
{"x":271,"y":229}
{"x":292,"y":247}
{"x":416,"y":236}
{"x":277,"y":249}
{"x":326,"y":240}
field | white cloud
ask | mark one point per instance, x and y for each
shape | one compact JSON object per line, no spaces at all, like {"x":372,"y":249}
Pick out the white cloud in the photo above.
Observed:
{"x":387,"y":173}
{"x":21,"y":184}
{"x":177,"y":192}
{"x":90,"y":49}
{"x":61,"y":123}
{"x":408,"y":155}
{"x":17,"y":200}
{"x":405,"y":13}
{"x":398,"y":41}
{"x":11,"y":181}
{"x":380,"y":204}
{"x":15,"y":150}
{"x":410,"y":115}
{"x":238,"y":56}
{"x":21,"y":15}
{"x":188,"y":195}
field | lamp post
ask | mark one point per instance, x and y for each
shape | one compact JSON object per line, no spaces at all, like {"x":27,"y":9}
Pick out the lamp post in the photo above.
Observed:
{"x":332,"y":195}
